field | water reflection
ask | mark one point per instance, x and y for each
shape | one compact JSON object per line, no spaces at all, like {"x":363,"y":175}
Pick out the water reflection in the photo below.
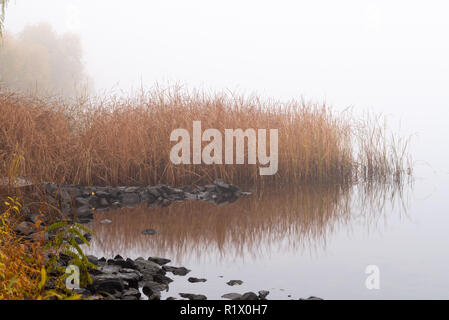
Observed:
{"x":271,"y":220}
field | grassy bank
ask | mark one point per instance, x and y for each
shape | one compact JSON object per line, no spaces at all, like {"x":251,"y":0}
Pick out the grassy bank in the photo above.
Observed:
{"x":126,"y":141}
{"x":30,"y":267}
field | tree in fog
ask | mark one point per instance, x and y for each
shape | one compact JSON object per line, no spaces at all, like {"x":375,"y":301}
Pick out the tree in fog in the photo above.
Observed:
{"x":39,"y":60}
{"x":2,"y":14}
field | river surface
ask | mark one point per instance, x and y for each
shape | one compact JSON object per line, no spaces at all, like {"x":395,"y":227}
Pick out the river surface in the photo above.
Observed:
{"x":298,"y":241}
{"x":317,"y":241}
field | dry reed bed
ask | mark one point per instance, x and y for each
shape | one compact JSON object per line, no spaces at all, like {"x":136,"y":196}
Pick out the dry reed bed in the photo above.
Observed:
{"x":126,"y":140}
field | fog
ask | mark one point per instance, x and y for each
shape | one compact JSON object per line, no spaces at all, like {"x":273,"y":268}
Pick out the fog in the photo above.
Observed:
{"x":381,"y":56}
{"x":39,"y":61}
{"x":378,"y":55}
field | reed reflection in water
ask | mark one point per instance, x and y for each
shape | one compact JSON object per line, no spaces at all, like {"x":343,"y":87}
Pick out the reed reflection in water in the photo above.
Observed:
{"x":271,"y":220}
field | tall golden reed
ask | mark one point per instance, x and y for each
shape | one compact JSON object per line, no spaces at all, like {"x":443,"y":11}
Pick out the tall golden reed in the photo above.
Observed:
{"x":126,"y":140}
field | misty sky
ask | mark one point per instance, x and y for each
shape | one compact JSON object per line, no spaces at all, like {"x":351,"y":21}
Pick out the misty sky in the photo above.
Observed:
{"x":390,"y":56}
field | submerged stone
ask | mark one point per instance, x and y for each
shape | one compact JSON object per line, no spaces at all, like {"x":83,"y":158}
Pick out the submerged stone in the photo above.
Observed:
{"x":234,"y":282}
{"x":149,"y":232}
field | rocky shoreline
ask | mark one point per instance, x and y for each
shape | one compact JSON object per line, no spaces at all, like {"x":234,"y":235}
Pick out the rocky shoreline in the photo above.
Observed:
{"x":81,"y":201}
{"x":144,"y":279}
{"x":127,"y":279}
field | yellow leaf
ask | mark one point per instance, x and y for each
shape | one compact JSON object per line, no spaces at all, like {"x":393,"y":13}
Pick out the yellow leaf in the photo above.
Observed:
{"x":43,"y":278}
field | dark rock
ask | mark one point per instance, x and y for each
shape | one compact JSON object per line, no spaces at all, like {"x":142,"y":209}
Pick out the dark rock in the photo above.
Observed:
{"x":155,"y":296}
{"x":128,"y":263}
{"x":221,"y":183}
{"x":115,"y":205}
{"x":131,"y":292}
{"x":131,"y":189}
{"x":83,"y":292}
{"x":144,"y":196}
{"x":118,"y":257}
{"x":84,"y":212}
{"x":210,"y":187}
{"x":114,"y":192}
{"x":249,"y":296}
{"x":38,"y":236}
{"x":166,"y":203}
{"x":103,"y":194}
{"x":129,"y":198}
{"x":130,"y":277}
{"x":171,"y":298}
{"x":132,"y":298}
{"x":195,"y":280}
{"x":117,"y":295}
{"x":263,"y":294}
{"x":51,"y":188}
{"x":154,"y":191}
{"x":232,"y":296}
{"x":162,"y":279}
{"x":181,"y":271}
{"x":151,"y":288}
{"x":92,"y":259}
{"x":176,"y":191}
{"x":148,"y":269}
{"x":94,"y":201}
{"x":103,"y":202}
{"x":86,"y":193}
{"x":109,"y":283}
{"x":25,"y":228}
{"x":187,"y":189}
{"x":312,"y":298}
{"x":159,"y":261}
{"x":234,"y":282}
{"x":192,"y":296}
{"x":86,"y":199}
{"x":82,"y":201}
{"x":110,"y":268}
{"x":149,"y":232}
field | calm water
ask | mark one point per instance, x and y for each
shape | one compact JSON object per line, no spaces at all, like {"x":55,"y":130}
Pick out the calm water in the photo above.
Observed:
{"x":299,"y":241}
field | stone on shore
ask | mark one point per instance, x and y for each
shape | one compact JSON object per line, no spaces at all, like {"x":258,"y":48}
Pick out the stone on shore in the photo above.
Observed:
{"x":249,"y":296}
{"x":232,"y":296}
{"x":179,"y":271}
{"x":234,"y":283}
{"x":195,"y":280}
{"x":159,"y":261}
{"x":192,"y":296}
